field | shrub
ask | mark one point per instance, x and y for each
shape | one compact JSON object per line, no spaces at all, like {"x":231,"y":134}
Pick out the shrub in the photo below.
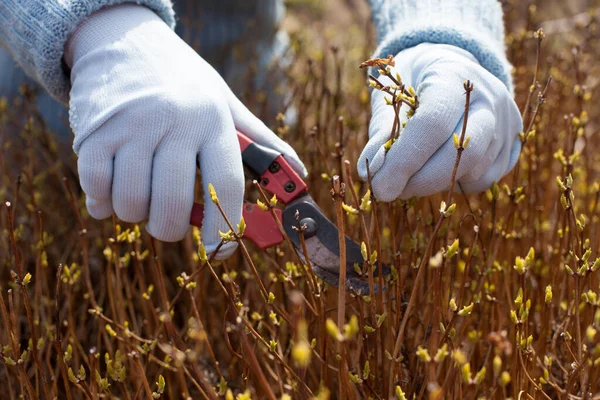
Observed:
{"x":491,"y":295}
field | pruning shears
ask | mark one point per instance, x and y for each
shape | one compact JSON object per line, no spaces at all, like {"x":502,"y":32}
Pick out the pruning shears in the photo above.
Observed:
{"x":321,"y":240}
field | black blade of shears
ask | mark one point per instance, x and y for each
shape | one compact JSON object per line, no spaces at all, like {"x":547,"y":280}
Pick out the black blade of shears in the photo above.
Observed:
{"x":322,"y":244}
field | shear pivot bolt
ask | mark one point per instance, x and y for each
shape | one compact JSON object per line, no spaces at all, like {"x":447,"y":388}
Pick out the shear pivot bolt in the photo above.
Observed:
{"x":310,"y":227}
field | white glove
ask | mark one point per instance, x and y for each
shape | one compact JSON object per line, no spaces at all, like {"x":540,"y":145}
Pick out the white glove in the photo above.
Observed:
{"x":144,"y":108}
{"x":421,"y":161}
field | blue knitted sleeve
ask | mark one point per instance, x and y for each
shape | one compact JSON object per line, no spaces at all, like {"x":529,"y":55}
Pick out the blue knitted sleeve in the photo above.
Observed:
{"x":35,"y":33}
{"x":474,"y":25}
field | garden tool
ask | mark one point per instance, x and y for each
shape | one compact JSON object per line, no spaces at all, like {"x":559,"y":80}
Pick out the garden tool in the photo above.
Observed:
{"x":300,"y":216}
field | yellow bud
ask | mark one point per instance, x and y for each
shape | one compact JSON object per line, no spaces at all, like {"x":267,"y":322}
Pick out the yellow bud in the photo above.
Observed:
{"x":453,"y":305}
{"x":349,"y":209}
{"x":301,"y":353}
{"x":466,"y":310}
{"x":161,"y":384}
{"x":441,"y":354}
{"x":273,"y":201}
{"x":504,"y":379}
{"x":373,"y":257}
{"x":480,"y":376}
{"x":388,"y":145}
{"x":26,"y":279}
{"x":569,"y":270}
{"x":241,"y":226}
{"x":363,"y":250}
{"x":202,"y":252}
{"x":351,"y":329}
{"x":333,"y":330}
{"x":450,"y":210}
{"x":466,"y":372}
{"x":459,"y":357}
{"x":497,"y":364}
{"x":365,"y":203}
{"x":400,"y":394}
{"x":423,"y":354}
{"x":590,"y":333}
{"x":548,"y":296}
{"x":71,"y":376}
{"x":227,"y":236}
{"x":467,"y":140}
{"x":213,"y":193}
{"x":110,"y":330}
{"x":262,"y":205}
{"x":452,"y":249}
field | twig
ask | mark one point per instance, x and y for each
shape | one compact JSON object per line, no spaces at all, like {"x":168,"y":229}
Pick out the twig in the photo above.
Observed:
{"x":422,"y":266}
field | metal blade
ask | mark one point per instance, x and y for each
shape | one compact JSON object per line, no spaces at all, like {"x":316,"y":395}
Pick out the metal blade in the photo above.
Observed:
{"x":322,"y":245}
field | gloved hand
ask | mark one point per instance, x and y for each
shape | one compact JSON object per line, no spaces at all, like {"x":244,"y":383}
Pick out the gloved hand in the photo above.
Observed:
{"x":421,"y":161}
{"x":144,"y":108}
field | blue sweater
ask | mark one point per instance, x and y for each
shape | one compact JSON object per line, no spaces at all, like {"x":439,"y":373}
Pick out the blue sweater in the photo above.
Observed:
{"x":35,"y":31}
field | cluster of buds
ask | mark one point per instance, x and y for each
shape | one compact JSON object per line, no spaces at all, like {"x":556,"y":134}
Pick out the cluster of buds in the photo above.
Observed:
{"x":522,"y":308}
{"x":567,"y":196}
{"x":350,"y":330}
{"x":522,"y":265}
{"x":585,"y":265}
{"x":302,"y":350}
{"x":399,"y":93}
{"x":186,"y":281}
{"x":160,"y":387}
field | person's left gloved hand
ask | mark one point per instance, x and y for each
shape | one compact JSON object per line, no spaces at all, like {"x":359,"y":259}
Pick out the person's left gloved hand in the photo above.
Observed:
{"x":421,"y":161}
{"x":146,"y":109}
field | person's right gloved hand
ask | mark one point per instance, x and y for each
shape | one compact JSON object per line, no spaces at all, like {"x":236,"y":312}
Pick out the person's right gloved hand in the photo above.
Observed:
{"x":420,"y":163}
{"x":144,"y":107}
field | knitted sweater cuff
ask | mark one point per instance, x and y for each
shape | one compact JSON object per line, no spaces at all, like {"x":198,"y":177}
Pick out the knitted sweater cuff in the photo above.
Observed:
{"x":35,"y":32}
{"x":475,"y":26}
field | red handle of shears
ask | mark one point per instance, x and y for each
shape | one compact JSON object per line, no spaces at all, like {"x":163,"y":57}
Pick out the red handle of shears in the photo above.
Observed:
{"x":275,"y":176}
{"x":261,"y":229}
